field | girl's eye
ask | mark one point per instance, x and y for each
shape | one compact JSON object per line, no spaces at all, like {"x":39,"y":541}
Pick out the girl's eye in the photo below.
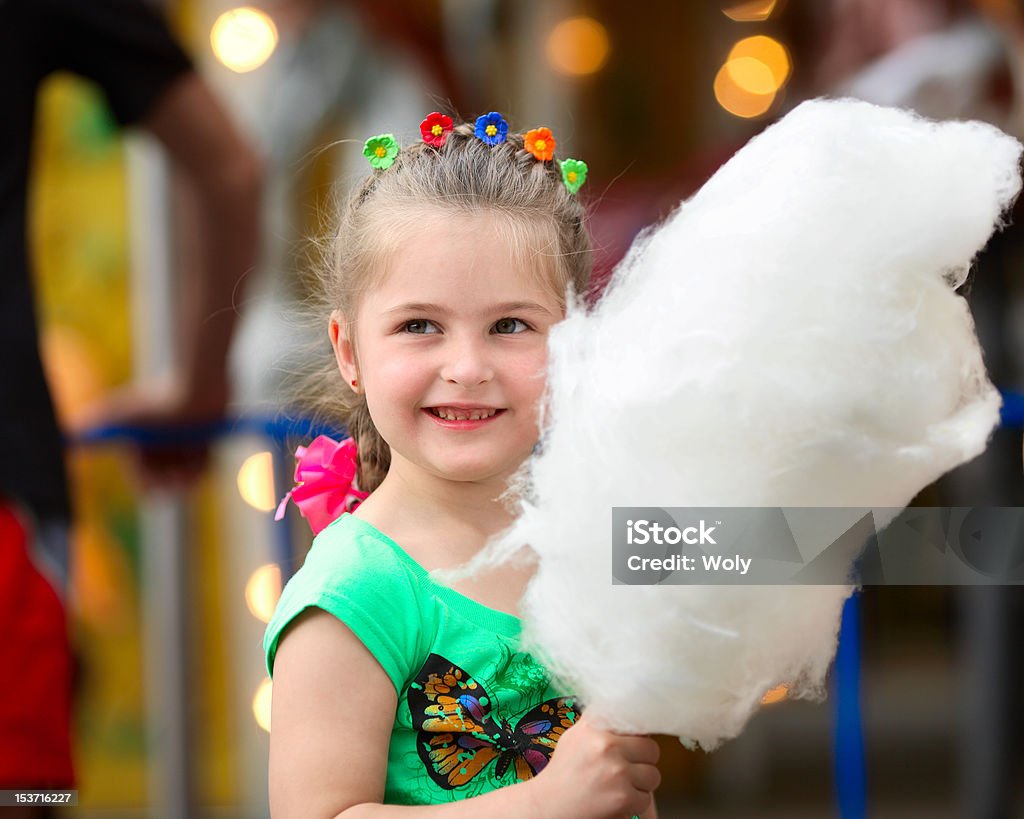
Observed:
{"x":419,"y":326}
{"x":508,"y":326}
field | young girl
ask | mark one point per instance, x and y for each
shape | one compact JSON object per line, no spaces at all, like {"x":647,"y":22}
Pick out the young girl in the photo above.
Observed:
{"x":452,"y":265}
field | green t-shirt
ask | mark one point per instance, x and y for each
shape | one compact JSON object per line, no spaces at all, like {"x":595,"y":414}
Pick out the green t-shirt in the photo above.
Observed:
{"x":474,"y":712}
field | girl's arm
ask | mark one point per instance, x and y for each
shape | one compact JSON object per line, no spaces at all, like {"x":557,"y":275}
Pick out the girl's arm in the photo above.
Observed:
{"x":331,"y":717}
{"x":333,"y":710}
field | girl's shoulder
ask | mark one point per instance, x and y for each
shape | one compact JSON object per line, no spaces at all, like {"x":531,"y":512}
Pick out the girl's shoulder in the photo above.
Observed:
{"x":352,"y":547}
{"x":360,"y":576}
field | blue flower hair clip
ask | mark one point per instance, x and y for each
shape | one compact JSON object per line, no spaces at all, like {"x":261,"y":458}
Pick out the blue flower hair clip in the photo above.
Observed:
{"x":491,"y":128}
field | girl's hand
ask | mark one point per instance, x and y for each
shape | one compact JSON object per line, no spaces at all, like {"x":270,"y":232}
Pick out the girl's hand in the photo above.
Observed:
{"x":596,"y":774}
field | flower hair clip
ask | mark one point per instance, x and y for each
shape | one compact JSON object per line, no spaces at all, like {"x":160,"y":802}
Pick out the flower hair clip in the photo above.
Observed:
{"x":435,"y":128}
{"x":574,"y":174}
{"x":541,"y":143}
{"x":491,"y":128}
{"x":381,"y":151}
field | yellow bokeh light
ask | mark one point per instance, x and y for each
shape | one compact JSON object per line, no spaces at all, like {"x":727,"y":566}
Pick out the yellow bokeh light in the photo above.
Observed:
{"x":777,"y":694}
{"x":767,"y":51}
{"x":751,"y":75}
{"x":243,"y":38}
{"x":256,"y":481}
{"x":261,"y":704}
{"x":578,"y":46}
{"x":752,"y":11}
{"x":738,"y":101}
{"x":263,"y":591}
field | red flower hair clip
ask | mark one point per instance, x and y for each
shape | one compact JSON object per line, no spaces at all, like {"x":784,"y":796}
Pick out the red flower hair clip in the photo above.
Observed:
{"x":435,"y":128}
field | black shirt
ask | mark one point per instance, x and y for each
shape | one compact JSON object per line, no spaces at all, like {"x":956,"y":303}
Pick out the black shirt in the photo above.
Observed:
{"x":125,"y":47}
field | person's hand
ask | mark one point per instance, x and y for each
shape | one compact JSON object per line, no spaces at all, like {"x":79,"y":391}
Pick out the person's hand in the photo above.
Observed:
{"x":173,"y":449}
{"x":596,"y":774}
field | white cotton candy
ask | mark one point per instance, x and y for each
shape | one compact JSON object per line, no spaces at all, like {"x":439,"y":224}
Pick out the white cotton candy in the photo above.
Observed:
{"x":789,"y":337}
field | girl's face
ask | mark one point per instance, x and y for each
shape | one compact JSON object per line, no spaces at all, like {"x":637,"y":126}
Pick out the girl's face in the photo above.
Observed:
{"x":450,"y":350}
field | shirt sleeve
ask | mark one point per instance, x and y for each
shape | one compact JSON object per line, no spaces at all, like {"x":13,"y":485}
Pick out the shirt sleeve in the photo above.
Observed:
{"x":358,"y":579}
{"x":123,"y":45}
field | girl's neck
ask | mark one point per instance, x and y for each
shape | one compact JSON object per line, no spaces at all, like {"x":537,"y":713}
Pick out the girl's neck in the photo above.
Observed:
{"x":411,"y":505}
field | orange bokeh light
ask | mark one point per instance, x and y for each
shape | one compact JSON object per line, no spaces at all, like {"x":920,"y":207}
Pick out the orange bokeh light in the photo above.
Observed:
{"x":770,"y":53}
{"x":578,"y":46}
{"x":738,"y":101}
{"x":752,"y":11}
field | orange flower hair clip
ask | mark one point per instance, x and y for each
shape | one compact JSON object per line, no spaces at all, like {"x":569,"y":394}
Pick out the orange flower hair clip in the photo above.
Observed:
{"x":541,"y":143}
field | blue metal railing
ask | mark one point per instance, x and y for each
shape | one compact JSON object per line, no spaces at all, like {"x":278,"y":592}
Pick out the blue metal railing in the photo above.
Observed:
{"x":279,"y":428}
{"x":848,"y":763}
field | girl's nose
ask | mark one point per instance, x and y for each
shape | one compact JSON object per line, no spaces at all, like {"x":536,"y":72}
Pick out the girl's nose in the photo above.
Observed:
{"x":467,"y":364}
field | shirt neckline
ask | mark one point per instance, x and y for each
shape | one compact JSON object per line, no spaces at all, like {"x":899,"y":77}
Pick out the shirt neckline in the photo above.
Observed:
{"x":493,"y":619}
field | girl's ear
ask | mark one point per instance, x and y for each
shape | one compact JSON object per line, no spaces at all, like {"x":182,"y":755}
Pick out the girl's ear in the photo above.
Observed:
{"x":340,"y":333}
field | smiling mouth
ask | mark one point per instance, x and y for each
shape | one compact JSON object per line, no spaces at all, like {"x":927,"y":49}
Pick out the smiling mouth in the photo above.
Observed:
{"x":453,"y":414}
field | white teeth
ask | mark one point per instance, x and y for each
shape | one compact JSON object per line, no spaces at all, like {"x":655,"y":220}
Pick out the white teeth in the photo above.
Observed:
{"x":450,"y":414}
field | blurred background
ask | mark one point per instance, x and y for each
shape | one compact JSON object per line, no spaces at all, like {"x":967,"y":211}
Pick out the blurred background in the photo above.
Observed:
{"x":170,"y":589}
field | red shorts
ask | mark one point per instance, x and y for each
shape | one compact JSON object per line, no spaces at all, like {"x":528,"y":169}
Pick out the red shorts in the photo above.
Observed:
{"x":35,"y":674}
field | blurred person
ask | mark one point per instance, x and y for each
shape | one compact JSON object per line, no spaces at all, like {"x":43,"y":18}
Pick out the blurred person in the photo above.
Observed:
{"x":148,"y":80}
{"x":938,"y":57}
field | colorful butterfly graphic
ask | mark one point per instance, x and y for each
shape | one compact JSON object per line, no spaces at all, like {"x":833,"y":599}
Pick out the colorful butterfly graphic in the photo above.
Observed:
{"x":459,"y":737}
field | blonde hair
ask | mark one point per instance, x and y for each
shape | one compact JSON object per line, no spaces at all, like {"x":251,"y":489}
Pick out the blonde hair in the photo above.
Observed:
{"x":466,"y":176}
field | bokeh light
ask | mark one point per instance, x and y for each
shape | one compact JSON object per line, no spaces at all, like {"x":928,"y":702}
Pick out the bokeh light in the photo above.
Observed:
{"x":752,"y":11}
{"x":754,"y":73}
{"x":777,"y":694}
{"x":751,"y":75}
{"x":261,"y":704}
{"x":243,"y":38}
{"x":256,"y":481}
{"x":578,"y":46}
{"x":765,"y":50}
{"x":736,"y":100}
{"x":263,"y":590}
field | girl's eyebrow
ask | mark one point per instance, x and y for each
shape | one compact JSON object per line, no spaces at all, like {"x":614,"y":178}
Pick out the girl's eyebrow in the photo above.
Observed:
{"x":437,"y":309}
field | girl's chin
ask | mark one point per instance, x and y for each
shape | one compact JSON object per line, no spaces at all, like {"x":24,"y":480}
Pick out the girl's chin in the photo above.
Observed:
{"x":467,"y":475}
{"x":466,"y":466}
{"x":473,"y":472}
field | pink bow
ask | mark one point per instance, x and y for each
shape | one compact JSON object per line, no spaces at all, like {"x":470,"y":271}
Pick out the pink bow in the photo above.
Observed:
{"x":323,"y":482}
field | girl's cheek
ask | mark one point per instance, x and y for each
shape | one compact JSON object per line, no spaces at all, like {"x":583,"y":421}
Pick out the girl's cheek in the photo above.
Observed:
{"x":532,"y":370}
{"x":398,"y":359}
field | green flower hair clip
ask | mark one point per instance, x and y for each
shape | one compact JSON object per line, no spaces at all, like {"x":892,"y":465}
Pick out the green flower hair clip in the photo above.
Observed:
{"x":574,"y":174}
{"x":381,"y":151}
